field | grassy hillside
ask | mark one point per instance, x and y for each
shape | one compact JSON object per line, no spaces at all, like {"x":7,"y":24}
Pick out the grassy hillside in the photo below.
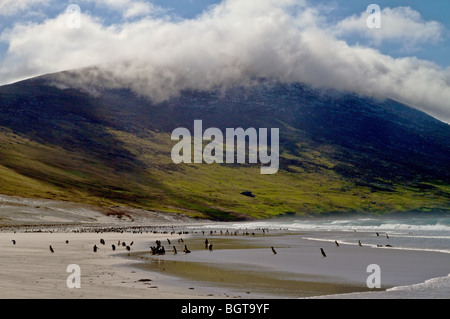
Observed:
{"x":339,"y":152}
{"x":151,"y":181}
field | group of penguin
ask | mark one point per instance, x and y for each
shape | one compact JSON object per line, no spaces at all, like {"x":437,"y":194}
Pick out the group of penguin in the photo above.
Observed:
{"x":337,"y":245}
{"x":159,"y":249}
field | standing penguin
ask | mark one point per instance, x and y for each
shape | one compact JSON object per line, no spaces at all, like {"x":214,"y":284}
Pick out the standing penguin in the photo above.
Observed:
{"x":323,"y":253}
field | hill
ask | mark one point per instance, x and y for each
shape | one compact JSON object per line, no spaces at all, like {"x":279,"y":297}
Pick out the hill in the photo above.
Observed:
{"x":339,"y":152}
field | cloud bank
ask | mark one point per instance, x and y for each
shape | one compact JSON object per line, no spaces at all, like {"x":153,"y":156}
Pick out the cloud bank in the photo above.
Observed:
{"x":401,"y":25}
{"x":11,"y":7}
{"x":232,"y":43}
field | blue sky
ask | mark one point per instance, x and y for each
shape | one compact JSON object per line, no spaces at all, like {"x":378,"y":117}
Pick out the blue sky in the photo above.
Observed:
{"x":435,"y":10}
{"x":205,"y":43}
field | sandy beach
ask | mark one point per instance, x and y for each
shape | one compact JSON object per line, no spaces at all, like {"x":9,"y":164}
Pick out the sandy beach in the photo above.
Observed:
{"x":241,"y":263}
{"x":30,"y":270}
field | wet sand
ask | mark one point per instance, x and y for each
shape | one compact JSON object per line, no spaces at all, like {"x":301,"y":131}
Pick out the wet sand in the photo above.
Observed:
{"x":246,"y":264}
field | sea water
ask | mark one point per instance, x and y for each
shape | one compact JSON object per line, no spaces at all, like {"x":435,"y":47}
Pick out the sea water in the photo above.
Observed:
{"x":420,"y":232}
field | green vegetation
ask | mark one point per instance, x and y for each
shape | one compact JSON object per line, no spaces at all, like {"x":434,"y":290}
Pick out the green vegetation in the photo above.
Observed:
{"x":142,"y":175}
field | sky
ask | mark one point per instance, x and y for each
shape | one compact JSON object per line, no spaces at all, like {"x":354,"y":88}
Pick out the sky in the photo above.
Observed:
{"x":160,"y":47}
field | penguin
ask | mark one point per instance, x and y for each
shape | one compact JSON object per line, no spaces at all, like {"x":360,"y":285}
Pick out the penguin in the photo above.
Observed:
{"x":359,"y":243}
{"x":387,"y":236}
{"x":168,"y":240}
{"x":113,"y":247}
{"x":273,"y":250}
{"x":337,"y":244}
{"x":186,"y":250}
{"x":14,"y":242}
{"x":128,"y":248}
{"x":51,"y":249}
{"x":210,"y":247}
{"x":95,"y":248}
{"x":102,"y":241}
{"x":323,"y":253}
{"x":174,"y":250}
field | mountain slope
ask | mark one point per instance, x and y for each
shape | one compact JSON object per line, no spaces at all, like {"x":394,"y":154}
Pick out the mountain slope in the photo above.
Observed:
{"x":339,"y":152}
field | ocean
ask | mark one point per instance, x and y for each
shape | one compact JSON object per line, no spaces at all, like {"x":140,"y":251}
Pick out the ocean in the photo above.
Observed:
{"x":413,"y":232}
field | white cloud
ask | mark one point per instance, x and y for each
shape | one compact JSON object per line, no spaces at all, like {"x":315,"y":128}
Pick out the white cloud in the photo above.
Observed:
{"x":401,"y":24}
{"x":137,"y":9}
{"x":129,"y":8}
{"x":12,"y":7}
{"x":233,"y":43}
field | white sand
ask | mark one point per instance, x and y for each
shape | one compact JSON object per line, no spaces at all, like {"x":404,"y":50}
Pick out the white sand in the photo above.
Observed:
{"x":30,"y":270}
{"x":18,"y":211}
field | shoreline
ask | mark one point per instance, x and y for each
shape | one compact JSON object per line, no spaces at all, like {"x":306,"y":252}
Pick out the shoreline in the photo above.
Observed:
{"x":298,"y":270}
{"x":239,"y":266}
{"x":30,"y":270}
{"x":248,"y":270}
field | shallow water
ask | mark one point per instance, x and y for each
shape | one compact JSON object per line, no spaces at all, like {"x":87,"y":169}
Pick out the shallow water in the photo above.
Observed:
{"x":413,"y":232}
{"x":416,"y":232}
{"x":414,"y":257}
{"x":247,"y":266}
